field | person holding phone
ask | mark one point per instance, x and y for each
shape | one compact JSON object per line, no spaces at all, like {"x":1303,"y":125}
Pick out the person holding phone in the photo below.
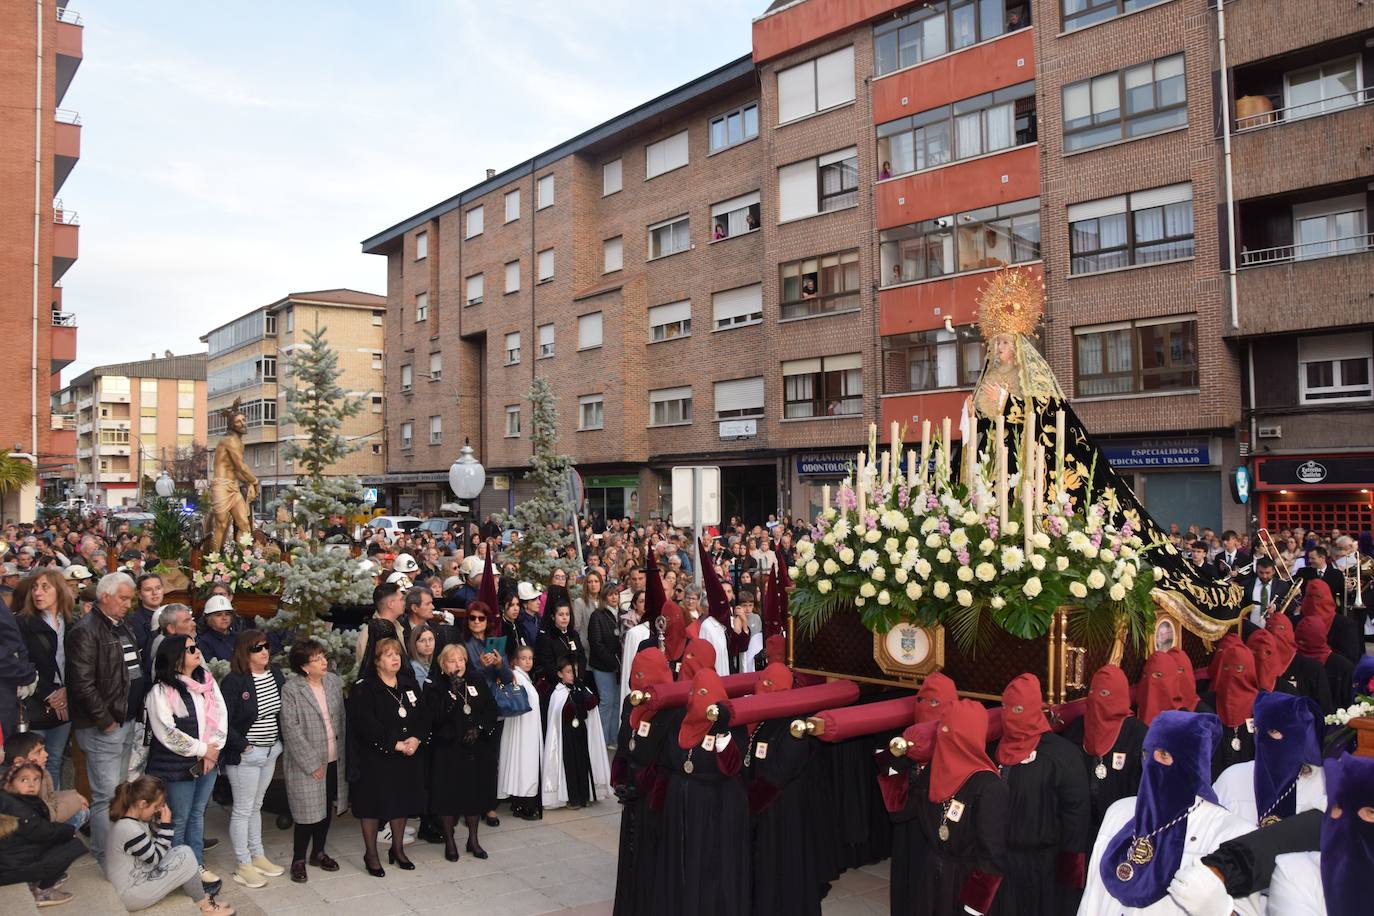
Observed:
{"x":487,"y":656}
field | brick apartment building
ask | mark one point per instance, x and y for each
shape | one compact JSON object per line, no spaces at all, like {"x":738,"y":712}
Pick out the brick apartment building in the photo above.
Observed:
{"x":247,"y":362}
{"x":890,"y":155}
{"x":132,"y":421}
{"x":39,"y":55}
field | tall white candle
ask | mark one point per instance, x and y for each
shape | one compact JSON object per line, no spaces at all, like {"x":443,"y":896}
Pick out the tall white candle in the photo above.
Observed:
{"x":944,"y":444}
{"x":925,"y":448}
{"x":1059,"y":452}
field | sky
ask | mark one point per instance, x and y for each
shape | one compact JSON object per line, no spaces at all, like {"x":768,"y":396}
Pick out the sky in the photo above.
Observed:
{"x":232,"y":153}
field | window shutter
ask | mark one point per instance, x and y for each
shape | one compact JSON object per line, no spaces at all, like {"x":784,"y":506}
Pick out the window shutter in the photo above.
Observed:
{"x":796,"y":92}
{"x":744,"y":394}
{"x":589,"y":331}
{"x":613,"y":254}
{"x":670,"y":394}
{"x":835,"y":78}
{"x":670,"y":312}
{"x":736,"y":203}
{"x":797,"y":190}
{"x":611,"y":177}
{"x":737,"y":304}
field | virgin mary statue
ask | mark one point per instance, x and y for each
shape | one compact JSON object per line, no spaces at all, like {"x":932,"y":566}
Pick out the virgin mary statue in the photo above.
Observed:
{"x":1016,"y":378}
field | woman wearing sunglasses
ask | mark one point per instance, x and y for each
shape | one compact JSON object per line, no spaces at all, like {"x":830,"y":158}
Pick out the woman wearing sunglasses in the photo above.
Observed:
{"x":252,"y":695}
{"x":189,"y":726}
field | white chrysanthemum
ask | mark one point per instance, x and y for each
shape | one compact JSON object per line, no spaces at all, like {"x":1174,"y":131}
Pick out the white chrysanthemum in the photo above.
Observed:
{"x":901,"y":575}
{"x":1077,"y":539}
{"x":964,"y":597}
{"x":1078,"y":589}
{"x":1116,"y":592}
{"x":868,"y":590}
{"x":903,"y":524}
{"x":998,"y":602}
{"x":944,"y":555}
{"x":909,"y":559}
{"x":985,"y":572}
{"x":933,"y":540}
{"x":965,"y":573}
{"x":923,"y":568}
{"x":884,"y":598}
{"x":1012,"y":558}
{"x":1032,"y":587}
{"x":873,"y":536}
{"x":889,"y":518}
{"x":941,"y":589}
{"x":1041,"y":539}
{"x":1096,"y":580}
{"x":929,"y":524}
{"x":1037,"y":561}
{"x":830,"y":567}
{"x":823,"y":586}
{"x":913,"y":590}
{"x":847,"y":556}
{"x":841,"y":530}
{"x":879,"y":574}
{"x":1061,"y":562}
{"x":958,"y":539}
{"x":987,"y":546}
{"x":868,"y":559}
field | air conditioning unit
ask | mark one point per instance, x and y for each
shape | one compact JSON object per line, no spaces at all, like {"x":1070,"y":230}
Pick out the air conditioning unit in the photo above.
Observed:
{"x":1270,"y":432}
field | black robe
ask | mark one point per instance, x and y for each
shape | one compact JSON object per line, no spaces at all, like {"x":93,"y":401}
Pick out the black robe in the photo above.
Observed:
{"x":1048,"y":813}
{"x":384,"y":783}
{"x":785,"y":878}
{"x":1340,"y":674}
{"x":641,"y":826}
{"x":1117,"y":783}
{"x":1227,"y":754}
{"x":465,"y":748}
{"x":702,"y":864}
{"x":928,"y":873}
{"x":1305,"y":677}
{"x":1246,"y":863}
{"x":577,"y":760}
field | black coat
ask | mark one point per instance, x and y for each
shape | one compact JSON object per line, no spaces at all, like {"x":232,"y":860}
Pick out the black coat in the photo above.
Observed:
{"x":553,"y":645}
{"x":35,"y":849}
{"x":241,"y":701}
{"x":605,"y":648}
{"x":465,"y":747}
{"x":41,"y":641}
{"x":384,"y":783}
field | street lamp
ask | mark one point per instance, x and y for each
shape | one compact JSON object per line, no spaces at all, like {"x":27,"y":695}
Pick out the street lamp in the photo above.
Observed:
{"x":80,"y":489}
{"x":164,"y":485}
{"x":466,"y":478}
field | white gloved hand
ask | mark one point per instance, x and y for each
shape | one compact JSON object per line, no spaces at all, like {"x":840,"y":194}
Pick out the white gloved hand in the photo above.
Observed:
{"x":1199,"y":892}
{"x":445,"y":616}
{"x":27,"y":690}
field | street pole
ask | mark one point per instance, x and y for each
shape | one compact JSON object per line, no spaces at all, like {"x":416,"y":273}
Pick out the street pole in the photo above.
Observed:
{"x":696,"y":525}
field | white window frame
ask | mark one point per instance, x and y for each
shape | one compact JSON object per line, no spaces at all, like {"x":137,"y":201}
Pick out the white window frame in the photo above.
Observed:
{"x":377,"y":403}
{"x":1324,"y":104}
{"x":421,"y":245}
{"x":613,"y":254}
{"x":545,"y":189}
{"x":545,"y":264}
{"x":586,"y":339}
{"x":421,"y":307}
{"x":822,"y":96}
{"x":378,"y":318}
{"x":612,"y":177}
{"x":436,"y":429}
{"x":474,"y":221}
{"x":512,"y":275}
{"x":436,"y":366}
{"x":739,"y":395}
{"x":513,"y":421}
{"x":545,"y":335}
{"x":512,"y":201}
{"x":1334,"y":348}
{"x":591,"y":404}
{"x":468,"y":297}
{"x":724,"y":210}
{"x":671,"y":225}
{"x":512,"y":348}
{"x":407,"y":435}
{"x":667,"y":155}
{"x":735,"y":316}
{"x":681,"y":396}
{"x":670,"y":321}
{"x":407,"y":377}
{"x":744,"y":128}
{"x":1329,"y":209}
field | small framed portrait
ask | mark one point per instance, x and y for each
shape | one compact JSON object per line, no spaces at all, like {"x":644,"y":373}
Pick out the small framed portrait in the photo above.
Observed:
{"x":1166,"y":634}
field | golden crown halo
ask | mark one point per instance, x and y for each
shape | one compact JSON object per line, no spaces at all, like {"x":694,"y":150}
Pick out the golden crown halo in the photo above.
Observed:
{"x":1011,"y":302}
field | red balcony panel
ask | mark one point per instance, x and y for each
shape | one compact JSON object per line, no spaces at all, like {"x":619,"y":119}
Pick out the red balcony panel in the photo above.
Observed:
{"x":925,"y":306}
{"x":912,"y":410}
{"x":69,"y":54}
{"x":982,"y":68}
{"x":958,"y":187}
{"x":807,"y":23}
{"x":63,"y":347}
{"x":64,"y":247}
{"x":68,"y":39}
{"x":67,"y":140}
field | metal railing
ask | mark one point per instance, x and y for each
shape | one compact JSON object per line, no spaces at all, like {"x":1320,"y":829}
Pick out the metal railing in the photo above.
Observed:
{"x":1307,"y":251}
{"x":60,"y":214}
{"x":67,"y":116}
{"x":1305,"y":110}
{"x":63,"y":319}
{"x":69,"y":16}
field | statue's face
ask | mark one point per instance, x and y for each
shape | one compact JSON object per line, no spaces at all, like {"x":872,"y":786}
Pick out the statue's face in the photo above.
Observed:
{"x":1006,"y":352}
{"x":238,"y":424}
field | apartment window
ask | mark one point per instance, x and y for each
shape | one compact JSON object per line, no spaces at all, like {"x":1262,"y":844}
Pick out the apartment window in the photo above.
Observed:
{"x":1079,"y":14}
{"x":670,"y":321}
{"x":983,"y":124}
{"x":665,"y":155}
{"x":733,"y":308}
{"x":407,"y":378}
{"x":933,"y":30}
{"x":734,"y":127}
{"x":613,"y":254}
{"x":186,"y":389}
{"x":1140,"y":357}
{"x":1327,"y":87}
{"x":377,"y":318}
{"x":512,"y":422}
{"x":589,"y":331}
{"x":407,"y":435}
{"x":147,"y":424}
{"x":436,"y":430}
{"x":261,"y":412}
{"x":739,"y":399}
{"x":670,"y":406}
{"x":512,"y":348}
{"x":475,"y":286}
{"x":1335,"y":367}
{"x":290,"y":321}
{"x":975,"y":240}
{"x":932,"y":360}
{"x":436,"y":366}
{"x":147,"y":391}
{"x":544,"y":192}
{"x":1330,"y":227}
{"x":545,"y":341}
{"x":475,"y":219}
{"x":114,"y":437}
{"x":421,"y":246}
{"x":376,"y":403}
{"x":831,"y":386}
{"x":512,"y":205}
{"x":1147,"y":227}
{"x":545,"y":265}
{"x":669,"y":237}
{"x":821,"y":285}
{"x":1129,"y":103}
{"x":376,"y":448}
{"x":591,"y":411}
{"x":735,"y":216}
{"x":611,"y":177}
{"x":513,"y":277}
{"x":816,"y":85}
{"x":819,"y":185}
{"x":422,"y":307}
{"x":376,"y":361}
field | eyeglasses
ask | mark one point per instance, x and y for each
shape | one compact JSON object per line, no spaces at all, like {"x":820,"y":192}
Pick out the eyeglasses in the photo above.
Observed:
{"x":191,"y":647}
{"x":259,"y":647}
{"x":476,"y":619}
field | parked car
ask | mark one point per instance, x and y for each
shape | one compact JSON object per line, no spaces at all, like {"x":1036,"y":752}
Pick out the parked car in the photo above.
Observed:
{"x":390,"y":525}
{"x":437,"y":525}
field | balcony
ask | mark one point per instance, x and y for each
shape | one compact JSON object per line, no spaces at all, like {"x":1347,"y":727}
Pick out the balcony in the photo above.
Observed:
{"x":1307,"y":293}
{"x":913,"y":409}
{"x":66,"y":145}
{"x":925,"y":305}
{"x":65,"y":237}
{"x":69,"y":54}
{"x":63,"y":341}
{"x":1261,"y":29}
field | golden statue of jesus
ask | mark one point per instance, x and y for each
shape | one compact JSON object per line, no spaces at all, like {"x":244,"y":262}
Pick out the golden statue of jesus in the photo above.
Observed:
{"x":228,"y":506}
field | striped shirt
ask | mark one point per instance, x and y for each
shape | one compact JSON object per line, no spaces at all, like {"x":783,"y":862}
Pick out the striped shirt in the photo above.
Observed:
{"x":265,"y":728}
{"x":146,"y":846}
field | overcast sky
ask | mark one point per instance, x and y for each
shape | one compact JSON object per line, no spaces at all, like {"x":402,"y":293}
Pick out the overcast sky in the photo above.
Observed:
{"x":232,"y":153}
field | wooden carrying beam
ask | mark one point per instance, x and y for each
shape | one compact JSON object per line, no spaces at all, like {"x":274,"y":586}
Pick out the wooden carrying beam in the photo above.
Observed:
{"x":760,"y":707}
{"x":671,"y":696}
{"x":846,"y":722}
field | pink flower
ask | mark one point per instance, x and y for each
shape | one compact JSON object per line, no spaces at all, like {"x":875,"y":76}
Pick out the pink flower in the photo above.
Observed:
{"x":963,"y":557}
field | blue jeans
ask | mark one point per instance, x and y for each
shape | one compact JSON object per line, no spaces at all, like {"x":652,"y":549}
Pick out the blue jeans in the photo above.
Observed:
{"x":107,"y":766}
{"x":79,"y":818}
{"x":249,"y":779}
{"x":187,"y":798}
{"x":55,"y":742}
{"x":608,"y":689}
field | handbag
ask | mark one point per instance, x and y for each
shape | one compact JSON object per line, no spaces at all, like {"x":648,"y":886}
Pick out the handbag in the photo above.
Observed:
{"x":511,"y":700}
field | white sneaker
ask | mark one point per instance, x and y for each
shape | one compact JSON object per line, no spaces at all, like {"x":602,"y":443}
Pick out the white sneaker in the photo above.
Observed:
{"x":249,"y":876}
{"x":208,"y":877}
{"x":410,"y":833}
{"x":384,"y":835}
{"x":267,"y":868}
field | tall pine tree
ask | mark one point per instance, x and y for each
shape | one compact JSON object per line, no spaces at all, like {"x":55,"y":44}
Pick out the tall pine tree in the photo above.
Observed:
{"x":542,"y":518}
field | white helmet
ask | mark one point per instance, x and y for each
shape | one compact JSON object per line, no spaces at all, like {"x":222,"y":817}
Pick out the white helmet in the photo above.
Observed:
{"x":402,"y":580}
{"x":405,"y":563}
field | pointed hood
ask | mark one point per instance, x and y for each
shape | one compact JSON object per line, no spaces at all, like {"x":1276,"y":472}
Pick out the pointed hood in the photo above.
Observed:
{"x":707,"y":690}
{"x":1347,"y":843}
{"x":1230,"y":639}
{"x":1268,"y":662}
{"x":775,"y":678}
{"x":486,"y":593}
{"x":1317,"y":601}
{"x":960,"y":749}
{"x":654,"y":597}
{"x":1108,"y":706}
{"x":1287,"y":737}
{"x":1158,"y":687}
{"x":1023,"y":720}
{"x":937,"y":694}
{"x":775,"y":647}
{"x":715,"y":592}
{"x":675,"y":631}
{"x":1312,"y":638}
{"x":1185,"y":679}
{"x":649,"y":669}
{"x":1236,"y":685}
{"x":699,"y":656}
{"x":1285,"y":642}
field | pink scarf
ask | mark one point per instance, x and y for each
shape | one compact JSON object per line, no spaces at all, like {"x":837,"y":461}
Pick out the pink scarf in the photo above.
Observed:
{"x":207,"y":696}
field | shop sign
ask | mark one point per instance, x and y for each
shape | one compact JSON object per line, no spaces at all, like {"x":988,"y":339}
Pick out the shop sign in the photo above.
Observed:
{"x":1326,"y":471}
{"x":1240,"y":484}
{"x":738,"y":429}
{"x":1158,"y":453}
{"x":614,"y":481}
{"x":824,"y":464}
{"x":500,"y":481}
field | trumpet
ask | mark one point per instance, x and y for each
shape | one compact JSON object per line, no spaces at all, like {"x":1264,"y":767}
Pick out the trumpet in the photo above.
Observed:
{"x":1271,"y":550}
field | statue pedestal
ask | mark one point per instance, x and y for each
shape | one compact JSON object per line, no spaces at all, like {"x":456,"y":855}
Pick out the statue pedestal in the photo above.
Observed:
{"x":1364,"y":736}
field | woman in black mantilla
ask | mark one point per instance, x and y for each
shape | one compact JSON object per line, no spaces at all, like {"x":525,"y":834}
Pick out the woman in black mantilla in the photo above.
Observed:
{"x":385,"y":731}
{"x":460,"y":712}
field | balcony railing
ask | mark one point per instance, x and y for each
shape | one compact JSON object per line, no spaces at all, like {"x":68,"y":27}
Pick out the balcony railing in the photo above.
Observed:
{"x":63,"y":216}
{"x":67,"y":116}
{"x":1305,"y":110}
{"x":1307,"y":251}
{"x":69,"y":16}
{"x":63,"y":319}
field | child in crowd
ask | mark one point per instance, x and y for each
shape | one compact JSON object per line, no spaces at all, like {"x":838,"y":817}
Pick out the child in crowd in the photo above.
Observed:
{"x":575,"y":764}
{"x":522,"y":745}
{"x":64,"y":807}
{"x":141,"y":861}
{"x":33,"y":849}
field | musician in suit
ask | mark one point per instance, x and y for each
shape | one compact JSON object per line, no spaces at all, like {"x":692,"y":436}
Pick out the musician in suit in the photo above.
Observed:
{"x":1265,"y":592}
{"x":1319,"y":566}
{"x":1231,"y":558}
{"x":1197,"y":555}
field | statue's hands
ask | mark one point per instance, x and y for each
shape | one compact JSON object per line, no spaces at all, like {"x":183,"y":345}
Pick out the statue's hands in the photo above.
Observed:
{"x":252,"y":492}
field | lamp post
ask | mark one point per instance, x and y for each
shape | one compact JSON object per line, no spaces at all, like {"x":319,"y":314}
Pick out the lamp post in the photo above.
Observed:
{"x":164,"y":485}
{"x":466,"y":478}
